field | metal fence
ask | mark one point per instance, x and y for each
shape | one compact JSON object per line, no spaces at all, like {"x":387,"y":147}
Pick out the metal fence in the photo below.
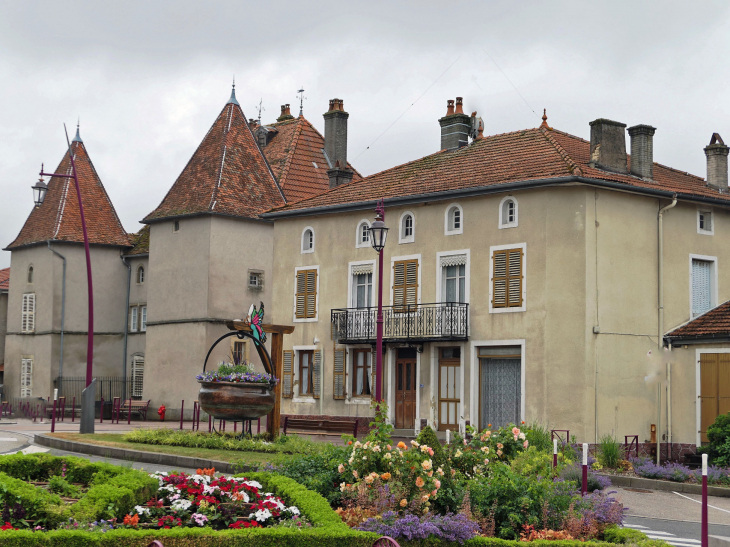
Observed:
{"x":107,"y":387}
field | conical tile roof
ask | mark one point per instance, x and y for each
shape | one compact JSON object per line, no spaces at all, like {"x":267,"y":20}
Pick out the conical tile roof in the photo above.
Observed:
{"x":58,"y":216}
{"x":227,"y":174}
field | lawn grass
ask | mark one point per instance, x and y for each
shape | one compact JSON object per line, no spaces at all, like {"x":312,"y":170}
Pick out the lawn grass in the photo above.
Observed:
{"x":115,"y":440}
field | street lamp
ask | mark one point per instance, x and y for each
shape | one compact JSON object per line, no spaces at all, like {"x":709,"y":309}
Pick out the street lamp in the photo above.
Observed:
{"x":88,"y":398}
{"x":378,"y":235}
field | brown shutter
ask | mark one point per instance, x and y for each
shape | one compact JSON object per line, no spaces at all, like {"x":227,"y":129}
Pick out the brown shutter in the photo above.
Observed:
{"x":507,"y":278}
{"x":317,"y":374}
{"x":708,"y":392}
{"x":399,"y":281}
{"x":405,"y":284}
{"x":723,"y":384}
{"x":306,"y":294}
{"x":339,"y":374}
{"x":287,"y":381}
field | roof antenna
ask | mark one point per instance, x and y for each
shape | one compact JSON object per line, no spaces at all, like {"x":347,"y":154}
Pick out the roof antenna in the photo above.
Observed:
{"x":301,"y":101}
{"x":260,"y":108}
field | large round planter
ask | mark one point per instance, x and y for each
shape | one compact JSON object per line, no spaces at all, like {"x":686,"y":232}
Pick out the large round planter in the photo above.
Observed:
{"x":236,"y":401}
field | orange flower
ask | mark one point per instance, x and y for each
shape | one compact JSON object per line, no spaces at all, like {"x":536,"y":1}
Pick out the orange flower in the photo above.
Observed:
{"x":523,"y":422}
{"x":489,"y":425}
{"x":385,"y":476}
{"x":420,"y":482}
{"x":402,"y":446}
{"x":131,"y":520}
{"x":349,"y":443}
{"x":403,"y":502}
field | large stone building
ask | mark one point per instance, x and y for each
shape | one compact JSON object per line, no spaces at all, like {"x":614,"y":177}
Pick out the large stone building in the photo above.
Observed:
{"x":524,"y":279}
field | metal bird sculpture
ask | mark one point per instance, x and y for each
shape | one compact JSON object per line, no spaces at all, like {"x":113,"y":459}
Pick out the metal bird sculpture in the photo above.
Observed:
{"x":256,"y":320}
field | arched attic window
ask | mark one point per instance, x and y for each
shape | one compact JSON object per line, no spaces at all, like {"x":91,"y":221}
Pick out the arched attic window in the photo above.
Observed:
{"x":30,"y":274}
{"x":508,"y":213}
{"x":140,"y":274}
{"x":363,"y":234}
{"x":308,"y":240}
{"x":407,"y":228}
{"x":454,"y":221}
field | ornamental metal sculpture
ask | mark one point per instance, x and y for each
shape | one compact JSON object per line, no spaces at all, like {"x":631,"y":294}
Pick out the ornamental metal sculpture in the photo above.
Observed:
{"x":240,"y":396}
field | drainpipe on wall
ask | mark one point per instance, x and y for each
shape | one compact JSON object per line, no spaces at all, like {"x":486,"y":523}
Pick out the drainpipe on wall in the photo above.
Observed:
{"x":660,"y":273}
{"x":63,"y":310}
{"x":669,"y":407}
{"x":126,"y":328}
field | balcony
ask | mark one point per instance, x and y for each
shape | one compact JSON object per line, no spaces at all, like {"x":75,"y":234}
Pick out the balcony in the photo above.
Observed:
{"x":413,"y":323}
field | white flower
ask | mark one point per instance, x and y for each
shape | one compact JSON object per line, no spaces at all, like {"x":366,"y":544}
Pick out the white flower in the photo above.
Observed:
{"x":387,"y":456}
{"x":181,"y":505}
{"x":293,"y":510}
{"x":209,"y":489}
{"x":262,"y":515}
{"x":142,"y":510}
{"x":254,"y":484}
{"x":521,"y":436}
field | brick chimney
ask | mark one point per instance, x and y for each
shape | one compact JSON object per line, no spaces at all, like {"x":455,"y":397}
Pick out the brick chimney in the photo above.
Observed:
{"x":335,"y":143}
{"x":608,"y":145}
{"x":716,"y":153}
{"x":285,"y":113}
{"x":642,"y":151}
{"x":455,"y":126}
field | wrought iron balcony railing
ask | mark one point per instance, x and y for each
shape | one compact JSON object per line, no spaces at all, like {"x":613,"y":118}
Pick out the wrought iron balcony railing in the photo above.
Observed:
{"x":413,"y":323}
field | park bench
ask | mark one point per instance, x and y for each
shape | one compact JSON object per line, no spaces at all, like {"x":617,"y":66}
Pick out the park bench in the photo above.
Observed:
{"x":137,"y":407}
{"x":320,"y":425}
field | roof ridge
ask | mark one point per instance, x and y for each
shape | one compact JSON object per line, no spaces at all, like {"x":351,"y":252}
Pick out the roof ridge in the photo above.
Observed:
{"x":573,"y":167}
{"x":263,"y":156}
{"x":569,"y":135}
{"x":224,"y":145}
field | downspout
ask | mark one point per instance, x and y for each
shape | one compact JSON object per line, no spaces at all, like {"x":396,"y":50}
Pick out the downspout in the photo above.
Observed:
{"x":660,"y":273}
{"x":63,"y":310}
{"x":669,"y":407}
{"x":126,"y":328}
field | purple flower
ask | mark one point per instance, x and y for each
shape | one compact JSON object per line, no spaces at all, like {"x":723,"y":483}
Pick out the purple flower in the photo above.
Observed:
{"x":450,"y":527}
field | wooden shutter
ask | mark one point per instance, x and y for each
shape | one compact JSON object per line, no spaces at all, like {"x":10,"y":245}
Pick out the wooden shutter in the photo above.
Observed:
{"x":405,"y":284}
{"x":287,"y":382}
{"x":339,"y":375}
{"x":317,"y":374}
{"x":708,"y":392}
{"x":507,"y":278}
{"x":26,"y":377}
{"x":306,"y":295}
{"x":723,"y":383}
{"x":28,"y":313}
{"x":137,"y":377}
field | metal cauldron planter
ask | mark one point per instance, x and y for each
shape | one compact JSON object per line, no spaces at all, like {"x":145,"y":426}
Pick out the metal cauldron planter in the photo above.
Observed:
{"x":241,"y":401}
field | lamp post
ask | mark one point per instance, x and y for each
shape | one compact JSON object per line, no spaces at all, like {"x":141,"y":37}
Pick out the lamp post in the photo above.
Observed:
{"x":88,"y":397}
{"x":378,"y":235}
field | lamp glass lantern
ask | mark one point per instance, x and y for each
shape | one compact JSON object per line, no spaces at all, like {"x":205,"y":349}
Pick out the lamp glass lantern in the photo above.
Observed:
{"x":39,"y":192}
{"x":378,"y":234}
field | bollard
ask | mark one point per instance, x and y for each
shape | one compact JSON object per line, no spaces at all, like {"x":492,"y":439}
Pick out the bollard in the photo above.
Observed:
{"x":197,"y":419}
{"x":210,"y":423}
{"x":555,"y":453}
{"x":129,"y":413}
{"x":584,"y":486}
{"x":53,"y":417}
{"x":63,"y":409}
{"x":182,"y":408}
{"x":704,"y":532}
{"x":235,"y":426}
{"x":73,"y":409}
{"x":448,"y":436}
{"x":195,"y":409}
{"x":258,"y":426}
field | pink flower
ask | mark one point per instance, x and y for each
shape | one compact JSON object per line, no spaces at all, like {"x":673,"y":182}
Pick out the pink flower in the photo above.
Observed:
{"x":437,"y":483}
{"x":434,"y":493}
{"x":524,"y":445}
{"x":515,"y":431}
{"x":465,"y":443}
{"x":430,"y":451}
{"x":354,"y":474}
{"x":341,"y":468}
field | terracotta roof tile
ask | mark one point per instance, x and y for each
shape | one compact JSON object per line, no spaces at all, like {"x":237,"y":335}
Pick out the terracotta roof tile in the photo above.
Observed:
{"x":5,"y":279}
{"x":296,"y":156}
{"x":714,"y":323}
{"x":226,"y":175}
{"x":524,"y":155}
{"x":58,"y":216}
{"x":141,"y":242}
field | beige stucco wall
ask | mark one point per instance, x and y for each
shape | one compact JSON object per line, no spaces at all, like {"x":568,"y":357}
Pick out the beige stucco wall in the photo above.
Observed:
{"x":591,"y":261}
{"x":3,"y":322}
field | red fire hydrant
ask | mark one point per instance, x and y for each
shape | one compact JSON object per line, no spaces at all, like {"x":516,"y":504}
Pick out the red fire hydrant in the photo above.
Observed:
{"x":161,"y":413}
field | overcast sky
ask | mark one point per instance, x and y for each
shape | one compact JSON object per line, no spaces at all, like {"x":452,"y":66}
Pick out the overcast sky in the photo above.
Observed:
{"x":148,"y":78}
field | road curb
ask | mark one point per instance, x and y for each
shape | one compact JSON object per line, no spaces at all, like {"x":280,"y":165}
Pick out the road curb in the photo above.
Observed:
{"x":139,"y":456}
{"x":654,"y":484}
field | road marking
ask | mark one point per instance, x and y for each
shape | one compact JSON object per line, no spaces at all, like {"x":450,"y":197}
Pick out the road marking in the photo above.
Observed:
{"x":697,"y":501}
{"x":658,"y":532}
{"x":8,"y":439}
{"x":665,"y":536}
{"x":635,"y":526}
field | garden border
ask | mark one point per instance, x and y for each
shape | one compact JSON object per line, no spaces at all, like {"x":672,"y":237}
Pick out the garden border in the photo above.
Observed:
{"x":656,"y":484}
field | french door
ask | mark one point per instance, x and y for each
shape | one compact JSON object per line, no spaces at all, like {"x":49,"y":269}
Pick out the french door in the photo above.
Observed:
{"x":405,"y":388}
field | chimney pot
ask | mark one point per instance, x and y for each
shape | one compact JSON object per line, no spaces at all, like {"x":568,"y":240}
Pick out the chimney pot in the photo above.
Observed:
{"x":608,"y":145}
{"x":716,"y":153}
{"x":450,"y":107}
{"x":285,"y":113}
{"x":642,"y":151}
{"x":459,"y":105}
{"x":335,"y":143}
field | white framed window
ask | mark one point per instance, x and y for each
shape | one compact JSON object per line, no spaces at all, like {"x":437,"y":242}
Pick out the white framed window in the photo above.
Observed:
{"x":362,"y":287}
{"x":27,"y":323}
{"x":306,"y":294}
{"x":308,"y":240}
{"x":256,"y":280}
{"x":143,"y":318}
{"x":362,"y":237}
{"x":454,"y":220}
{"x":705,"y":222}
{"x":30,"y":274}
{"x":133,"y":318}
{"x":507,"y":278}
{"x":140,"y":275}
{"x":407,"y":228}
{"x":702,"y":284}
{"x":137,"y":376}
{"x":305,"y":374}
{"x":26,"y":377}
{"x":508,"y":213}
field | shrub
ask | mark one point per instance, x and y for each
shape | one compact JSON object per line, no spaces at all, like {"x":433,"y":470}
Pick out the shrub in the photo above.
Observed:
{"x":449,"y":527}
{"x":533,"y":462}
{"x":539,"y":436}
{"x":450,"y":493}
{"x":610,"y":452}
{"x":59,"y":485}
{"x":718,"y":435}
{"x":574,"y":474}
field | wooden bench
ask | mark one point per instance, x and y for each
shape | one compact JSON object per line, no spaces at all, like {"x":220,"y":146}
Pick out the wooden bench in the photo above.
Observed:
{"x":328,"y":426}
{"x":138,"y":407}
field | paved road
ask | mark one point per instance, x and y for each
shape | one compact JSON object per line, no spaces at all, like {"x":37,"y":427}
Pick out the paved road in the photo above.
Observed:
{"x":676,"y":532}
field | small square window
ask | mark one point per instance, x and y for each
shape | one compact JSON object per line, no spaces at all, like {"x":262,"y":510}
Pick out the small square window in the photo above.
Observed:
{"x":704,"y":222}
{"x":256,"y":280}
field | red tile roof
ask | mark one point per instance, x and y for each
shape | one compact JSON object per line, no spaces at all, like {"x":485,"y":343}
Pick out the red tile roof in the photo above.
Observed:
{"x":713,"y":324}
{"x":5,"y":279}
{"x":530,"y":154}
{"x":296,"y":156}
{"x":226,"y":175}
{"x":141,"y":242}
{"x":58,"y":216}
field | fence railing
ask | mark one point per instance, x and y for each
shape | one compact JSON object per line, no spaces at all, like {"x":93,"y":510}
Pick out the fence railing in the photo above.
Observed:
{"x":107,"y":387}
{"x":416,"y":323}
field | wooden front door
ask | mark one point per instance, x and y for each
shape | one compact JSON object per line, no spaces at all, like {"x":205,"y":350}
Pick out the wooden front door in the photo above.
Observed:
{"x":405,"y":389}
{"x":714,"y":389}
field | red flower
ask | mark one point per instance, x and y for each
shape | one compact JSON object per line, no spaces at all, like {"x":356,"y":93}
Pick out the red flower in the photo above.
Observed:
{"x":244,"y":524}
{"x":7,"y":526}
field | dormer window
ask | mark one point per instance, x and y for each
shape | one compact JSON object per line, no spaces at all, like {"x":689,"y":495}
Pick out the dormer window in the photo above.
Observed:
{"x":30,"y":274}
{"x":407,"y":228}
{"x":508,"y":213}
{"x":363,"y":234}
{"x":454,"y":222}
{"x":140,"y":274}
{"x":705,"y":223}
{"x":308,"y":240}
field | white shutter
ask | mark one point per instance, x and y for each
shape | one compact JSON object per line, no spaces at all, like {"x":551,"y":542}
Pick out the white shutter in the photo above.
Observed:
{"x":143,"y":323}
{"x":28,"y":313}
{"x":137,"y":377}
{"x":317,"y":375}
{"x":133,"y":319}
{"x":701,"y":281}
{"x":26,"y":377}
